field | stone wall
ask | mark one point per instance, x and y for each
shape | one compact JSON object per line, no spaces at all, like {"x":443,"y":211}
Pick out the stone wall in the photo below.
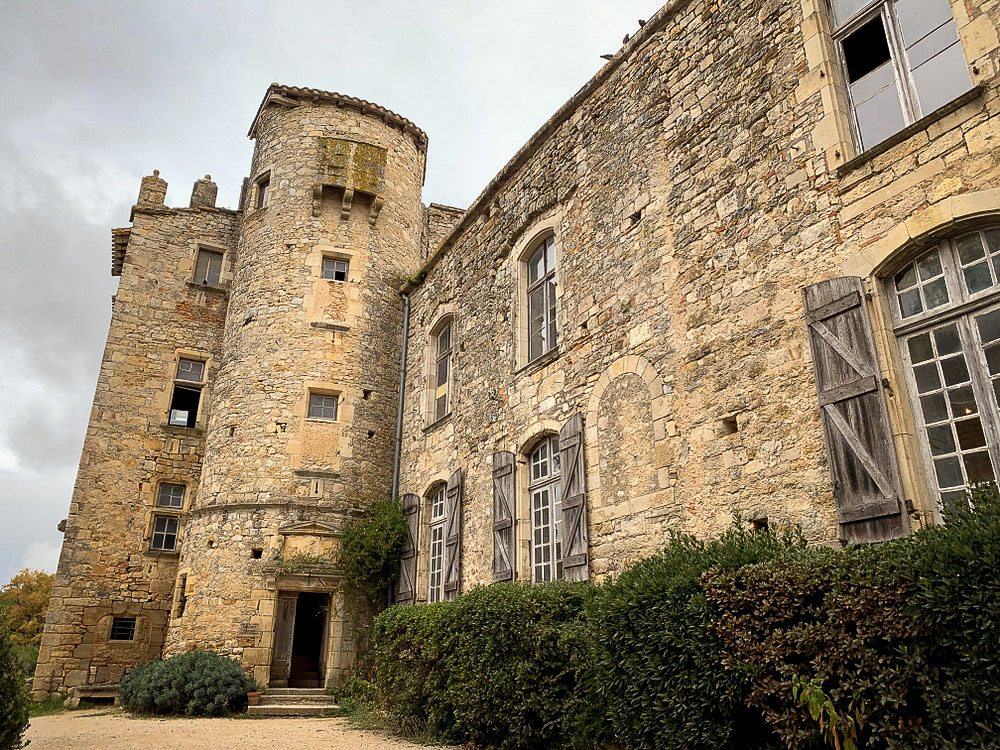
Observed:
{"x":693,"y":187}
{"x":106,"y":567}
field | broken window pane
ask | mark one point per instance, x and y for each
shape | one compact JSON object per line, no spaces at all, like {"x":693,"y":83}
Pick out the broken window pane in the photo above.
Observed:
{"x":334,"y":269}
{"x":865,"y":50}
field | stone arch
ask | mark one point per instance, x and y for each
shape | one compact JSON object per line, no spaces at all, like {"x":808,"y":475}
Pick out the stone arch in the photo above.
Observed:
{"x":630,"y":383}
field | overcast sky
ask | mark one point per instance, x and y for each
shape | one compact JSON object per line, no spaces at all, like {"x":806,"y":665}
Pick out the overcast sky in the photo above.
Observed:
{"x":96,"y":94}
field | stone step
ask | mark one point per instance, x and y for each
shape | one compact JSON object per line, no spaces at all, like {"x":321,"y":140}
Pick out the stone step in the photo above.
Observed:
{"x":284,"y":700}
{"x":292,"y":709}
{"x":296,"y":691}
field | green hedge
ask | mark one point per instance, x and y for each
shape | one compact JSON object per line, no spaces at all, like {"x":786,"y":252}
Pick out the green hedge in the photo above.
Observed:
{"x":199,"y":683}
{"x":747,"y":641}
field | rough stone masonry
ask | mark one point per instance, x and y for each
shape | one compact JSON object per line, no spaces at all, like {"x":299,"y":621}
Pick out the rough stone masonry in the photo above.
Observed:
{"x":611,"y":343}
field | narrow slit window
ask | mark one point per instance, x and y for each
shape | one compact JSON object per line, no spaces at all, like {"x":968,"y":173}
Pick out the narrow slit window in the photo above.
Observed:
{"x":335,"y":269}
{"x":122,"y":629}
{"x":323,"y":406}
{"x":541,"y":270}
{"x":263,"y":192}
{"x":184,"y":406}
{"x":442,"y":373}
{"x":164,"y":534}
{"x":170,"y":496}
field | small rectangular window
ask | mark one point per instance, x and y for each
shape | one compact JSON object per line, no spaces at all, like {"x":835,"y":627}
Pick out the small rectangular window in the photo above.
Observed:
{"x":208,"y":269}
{"x":122,"y":629}
{"x":164,"y":533}
{"x":263,"y":192}
{"x":322,"y":406}
{"x":190,"y":370}
{"x":170,"y":496}
{"x":184,"y":406}
{"x":335,"y":269}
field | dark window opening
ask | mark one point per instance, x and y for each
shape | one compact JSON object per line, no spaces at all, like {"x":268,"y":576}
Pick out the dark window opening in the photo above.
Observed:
{"x":263,"y":192}
{"x":371,"y":433}
{"x":866,"y":49}
{"x":729,"y":426}
{"x":122,"y":629}
{"x":184,"y":406}
{"x":759,"y":524}
{"x":366,"y":395}
{"x":181,"y":596}
{"x":164,"y":533}
{"x":257,"y":553}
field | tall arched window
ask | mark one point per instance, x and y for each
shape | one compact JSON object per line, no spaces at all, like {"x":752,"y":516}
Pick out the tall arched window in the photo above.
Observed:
{"x":546,"y":511}
{"x":438,"y":516}
{"x":946,"y":314}
{"x":541,"y":278}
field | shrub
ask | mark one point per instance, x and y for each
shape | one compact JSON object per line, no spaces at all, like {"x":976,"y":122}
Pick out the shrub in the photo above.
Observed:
{"x":199,"y":683}
{"x":660,"y":661}
{"x":14,"y":697}
{"x":503,"y":666}
{"x":370,"y":549}
{"x":27,"y":657}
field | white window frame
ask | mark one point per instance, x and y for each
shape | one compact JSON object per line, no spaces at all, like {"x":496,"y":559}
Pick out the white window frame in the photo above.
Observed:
{"x":334,"y":263}
{"x":442,"y":358}
{"x":904,"y":84}
{"x":546,"y":284}
{"x":436,"y":543}
{"x":961,"y":309}
{"x":545,"y":511}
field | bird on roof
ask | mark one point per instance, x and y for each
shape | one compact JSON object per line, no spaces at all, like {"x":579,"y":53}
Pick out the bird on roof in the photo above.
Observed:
{"x":625,"y":40}
{"x":606,"y":57}
{"x":642,"y":22}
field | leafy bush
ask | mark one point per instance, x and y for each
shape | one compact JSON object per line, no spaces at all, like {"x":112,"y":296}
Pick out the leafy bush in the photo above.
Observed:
{"x":660,"y":661}
{"x":199,"y":683}
{"x":505,"y":666}
{"x":14,"y":697}
{"x":370,"y":549}
{"x":27,"y":657}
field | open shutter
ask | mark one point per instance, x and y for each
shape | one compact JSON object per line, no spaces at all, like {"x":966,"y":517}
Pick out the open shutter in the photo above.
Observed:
{"x":407,"y":587}
{"x":453,"y":535}
{"x":855,"y":421}
{"x":574,"y":500}
{"x":503,"y":516}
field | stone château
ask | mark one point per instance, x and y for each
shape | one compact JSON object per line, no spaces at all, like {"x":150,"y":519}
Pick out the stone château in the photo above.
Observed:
{"x":752,"y":266}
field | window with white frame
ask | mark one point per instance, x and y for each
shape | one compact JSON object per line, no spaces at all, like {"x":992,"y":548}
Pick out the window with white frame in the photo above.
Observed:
{"x":901,"y":59}
{"x":191,"y":370}
{"x":441,"y":378}
{"x":186,"y":397}
{"x":546,"y":511}
{"x":541,"y":277}
{"x":164,"y":533}
{"x":946,"y":312}
{"x":170,"y":496}
{"x":323,"y":406}
{"x":435,"y":571}
{"x":335,"y":269}
{"x":208,"y":267}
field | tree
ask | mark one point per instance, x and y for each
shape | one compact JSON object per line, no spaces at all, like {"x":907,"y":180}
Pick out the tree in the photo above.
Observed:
{"x":24,"y":602}
{"x":14,"y":697}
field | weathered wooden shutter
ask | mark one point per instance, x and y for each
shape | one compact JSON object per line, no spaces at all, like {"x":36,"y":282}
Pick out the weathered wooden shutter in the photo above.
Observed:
{"x":574,"y":500}
{"x":284,"y":629}
{"x":406,"y":589}
{"x":453,"y":535}
{"x":855,"y":421}
{"x":503,"y":516}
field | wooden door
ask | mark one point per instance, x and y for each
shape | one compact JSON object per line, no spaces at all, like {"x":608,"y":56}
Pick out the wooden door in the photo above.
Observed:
{"x":284,"y":631}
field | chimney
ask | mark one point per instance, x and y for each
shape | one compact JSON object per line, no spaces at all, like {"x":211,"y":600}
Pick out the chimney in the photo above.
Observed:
{"x":204,"y":193}
{"x":153,"y":191}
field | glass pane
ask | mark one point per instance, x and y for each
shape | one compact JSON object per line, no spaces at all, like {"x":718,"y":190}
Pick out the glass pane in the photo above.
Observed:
{"x":910,"y":304}
{"x":930,"y":266}
{"x":989,"y":326}
{"x":949,"y":472}
{"x":551,"y":342}
{"x":963,"y":402}
{"x":917,"y":18}
{"x":970,"y":248}
{"x":978,"y":467}
{"x":996,"y":391}
{"x":953,"y":500}
{"x":978,"y":277}
{"x":444,"y":340}
{"x":934,"y":408}
{"x":906,"y":278}
{"x":941,"y":79}
{"x":935,"y":42}
{"x":955,"y":371}
{"x":920,"y":348}
{"x":936,"y":293}
{"x":550,"y":254}
{"x":442,"y":372}
{"x":879,"y":117}
{"x":536,"y":266}
{"x":536,"y":322}
{"x":947,"y":340}
{"x":970,"y":434}
{"x":993,"y":360}
{"x":844,"y":9}
{"x":927,"y":378}
{"x":993,"y":239}
{"x":941,"y":440}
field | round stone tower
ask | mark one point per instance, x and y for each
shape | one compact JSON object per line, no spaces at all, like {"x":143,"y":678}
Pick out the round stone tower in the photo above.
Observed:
{"x":302,"y":424}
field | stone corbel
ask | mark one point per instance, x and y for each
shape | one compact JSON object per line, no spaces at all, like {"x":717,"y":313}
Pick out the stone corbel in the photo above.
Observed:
{"x":376,"y":209}
{"x":345,"y":208}
{"x":317,"y":200}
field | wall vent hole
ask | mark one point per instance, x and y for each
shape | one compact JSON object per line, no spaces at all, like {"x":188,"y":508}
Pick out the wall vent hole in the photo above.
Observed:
{"x":759,"y":524}
{"x":366,"y":395}
{"x":729,"y":426}
{"x":256,"y":553}
{"x":371,"y":433}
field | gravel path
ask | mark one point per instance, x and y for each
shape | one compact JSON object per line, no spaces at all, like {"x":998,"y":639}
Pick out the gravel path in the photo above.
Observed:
{"x":104,"y":730}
